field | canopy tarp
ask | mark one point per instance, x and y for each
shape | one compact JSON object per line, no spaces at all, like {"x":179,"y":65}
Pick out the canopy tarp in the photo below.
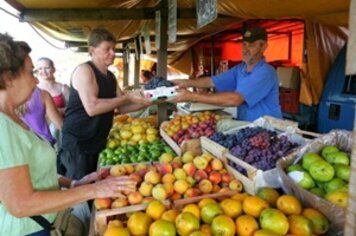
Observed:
{"x":72,"y":21}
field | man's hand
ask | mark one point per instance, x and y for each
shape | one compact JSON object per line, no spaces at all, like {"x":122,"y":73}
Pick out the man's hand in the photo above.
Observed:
{"x":183,"y":95}
{"x":181,"y":83}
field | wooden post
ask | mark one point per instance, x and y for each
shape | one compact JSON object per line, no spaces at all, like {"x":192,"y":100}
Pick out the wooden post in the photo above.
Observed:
{"x":137,"y":62}
{"x":350,"y":221}
{"x":162,"y":57}
{"x":126,"y":59}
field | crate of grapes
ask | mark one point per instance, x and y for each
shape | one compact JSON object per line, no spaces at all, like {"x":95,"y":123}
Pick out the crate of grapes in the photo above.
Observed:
{"x":254,"y":149}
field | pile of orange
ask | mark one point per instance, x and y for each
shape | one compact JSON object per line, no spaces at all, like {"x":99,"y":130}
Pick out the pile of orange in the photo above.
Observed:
{"x":267,"y":213}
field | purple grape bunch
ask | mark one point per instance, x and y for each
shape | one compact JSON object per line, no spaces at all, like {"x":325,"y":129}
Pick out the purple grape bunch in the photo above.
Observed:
{"x":257,"y":146}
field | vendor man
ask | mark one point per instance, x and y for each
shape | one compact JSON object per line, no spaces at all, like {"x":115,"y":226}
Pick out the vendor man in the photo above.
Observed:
{"x":252,"y":85}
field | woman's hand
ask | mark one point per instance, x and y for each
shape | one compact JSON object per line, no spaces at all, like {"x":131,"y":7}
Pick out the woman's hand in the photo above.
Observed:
{"x":114,"y":186}
{"x":137,"y":97}
{"x":90,"y":178}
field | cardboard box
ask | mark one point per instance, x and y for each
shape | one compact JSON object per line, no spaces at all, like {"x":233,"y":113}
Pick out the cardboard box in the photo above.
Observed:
{"x":289,"y":77}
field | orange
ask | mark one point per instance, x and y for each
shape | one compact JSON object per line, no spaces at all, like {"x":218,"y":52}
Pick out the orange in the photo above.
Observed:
{"x":116,"y":230}
{"x":223,"y":225}
{"x":155,"y":209}
{"x":246,"y":225}
{"x":289,"y":205}
{"x":269,"y":194}
{"x":187,"y":223}
{"x":265,"y":232}
{"x":205,"y":201}
{"x":300,"y":225}
{"x":139,"y":223}
{"x":319,"y":221}
{"x":162,"y":227}
{"x":274,"y":220}
{"x":206,"y":229}
{"x":115,"y":223}
{"x":170,"y":215}
{"x":192,"y":208}
{"x":240,"y":196}
{"x":253,"y":205}
{"x":231,"y":207}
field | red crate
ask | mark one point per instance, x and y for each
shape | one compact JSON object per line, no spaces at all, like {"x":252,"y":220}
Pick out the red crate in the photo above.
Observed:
{"x":289,"y":100}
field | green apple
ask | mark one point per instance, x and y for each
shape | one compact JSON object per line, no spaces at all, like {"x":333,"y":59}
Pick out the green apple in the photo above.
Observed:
{"x":294,"y":167}
{"x":342,"y":171}
{"x":328,"y":149}
{"x":302,"y":178}
{"x":309,"y":158}
{"x":338,"y":158}
{"x":321,"y":171}
{"x":320,"y":184}
{"x":318,"y":191}
{"x":334,"y":185}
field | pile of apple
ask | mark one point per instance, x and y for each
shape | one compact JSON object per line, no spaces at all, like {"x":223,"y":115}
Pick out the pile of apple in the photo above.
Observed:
{"x":326,"y":174}
{"x":191,"y":126}
{"x":172,"y":178}
{"x":239,"y":214}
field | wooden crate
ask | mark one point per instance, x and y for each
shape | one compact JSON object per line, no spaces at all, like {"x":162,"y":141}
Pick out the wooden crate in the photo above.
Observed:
{"x":101,"y":218}
{"x":192,"y":145}
{"x":222,"y":154}
{"x":214,"y":148}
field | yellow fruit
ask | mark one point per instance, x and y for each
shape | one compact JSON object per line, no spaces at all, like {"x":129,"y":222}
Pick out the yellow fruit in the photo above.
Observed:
{"x":115,"y":223}
{"x":186,"y":223}
{"x":253,"y":205}
{"x":165,"y":158}
{"x":246,"y":225}
{"x":274,"y":220}
{"x":289,"y":205}
{"x":155,"y":209}
{"x":152,"y":131}
{"x":300,"y":225}
{"x":137,"y":129}
{"x":223,"y":225}
{"x":319,"y":221}
{"x":240,"y":196}
{"x":192,"y":208}
{"x":136,"y":137}
{"x":115,"y":231}
{"x":265,"y":232}
{"x":162,"y":227}
{"x":151,"y":137}
{"x":170,"y":215}
{"x":125,"y":134}
{"x":139,"y":223}
{"x":205,"y":201}
{"x":231,"y":207}
{"x":206,"y":229}
{"x":269,"y":194}
{"x":339,"y":198}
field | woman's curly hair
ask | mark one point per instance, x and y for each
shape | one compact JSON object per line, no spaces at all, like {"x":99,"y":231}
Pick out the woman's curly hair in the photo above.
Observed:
{"x":12,"y":58}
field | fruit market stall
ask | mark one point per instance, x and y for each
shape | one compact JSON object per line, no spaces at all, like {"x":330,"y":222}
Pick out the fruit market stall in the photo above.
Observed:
{"x":178,"y":187}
